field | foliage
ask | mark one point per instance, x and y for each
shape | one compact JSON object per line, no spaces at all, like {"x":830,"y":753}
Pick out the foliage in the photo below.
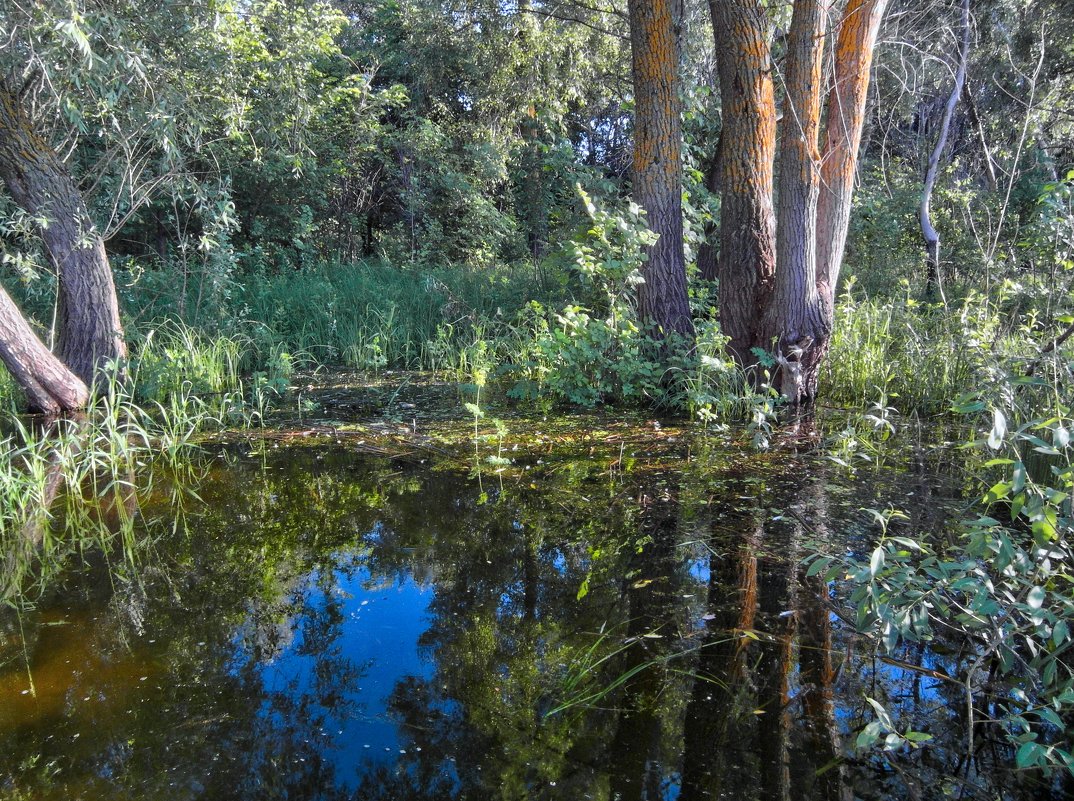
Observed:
{"x":1003,"y":582}
{"x":595,"y":350}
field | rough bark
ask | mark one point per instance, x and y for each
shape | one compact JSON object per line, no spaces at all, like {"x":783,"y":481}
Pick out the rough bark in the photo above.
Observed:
{"x":49,"y":386}
{"x":747,"y":257}
{"x":90,"y":333}
{"x":657,"y":170}
{"x":933,"y":280}
{"x":796,"y":326}
{"x":845,"y":118}
{"x":780,"y":292}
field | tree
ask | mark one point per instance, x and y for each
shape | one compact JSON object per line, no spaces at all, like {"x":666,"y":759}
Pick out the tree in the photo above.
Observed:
{"x":777,"y":281}
{"x":90,"y":332}
{"x":657,"y":173}
{"x":49,"y":386}
{"x":934,"y":285}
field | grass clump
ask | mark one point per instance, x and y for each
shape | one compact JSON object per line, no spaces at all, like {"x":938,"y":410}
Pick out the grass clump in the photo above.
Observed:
{"x":73,"y":484}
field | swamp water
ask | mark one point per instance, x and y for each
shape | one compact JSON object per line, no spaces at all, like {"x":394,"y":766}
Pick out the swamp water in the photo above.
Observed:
{"x":620,"y":612}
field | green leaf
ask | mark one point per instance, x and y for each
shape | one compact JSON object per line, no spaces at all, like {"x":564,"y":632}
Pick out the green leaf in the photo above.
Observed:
{"x":997,"y":491}
{"x":999,"y":429}
{"x":876,"y":562}
{"x":1060,"y":633}
{"x":1027,"y":755}
{"x":1035,"y":599}
{"x":818,"y":566}
{"x":867,"y":736}
{"x":881,"y":714}
{"x":583,"y":590}
{"x":1018,"y":480}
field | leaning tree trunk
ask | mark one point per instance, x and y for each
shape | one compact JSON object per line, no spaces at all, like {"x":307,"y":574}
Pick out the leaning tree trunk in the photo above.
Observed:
{"x":795,"y":324}
{"x":657,"y":173}
{"x":747,"y":257}
{"x":49,"y":386}
{"x":90,"y":333}
{"x":933,"y":279}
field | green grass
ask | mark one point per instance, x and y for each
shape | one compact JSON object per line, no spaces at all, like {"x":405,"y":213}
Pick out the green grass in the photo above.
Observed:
{"x":75,"y":483}
{"x":371,"y":316}
{"x":919,"y":358}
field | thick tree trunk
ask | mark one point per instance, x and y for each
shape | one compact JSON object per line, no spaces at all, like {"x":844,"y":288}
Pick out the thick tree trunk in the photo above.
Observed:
{"x":90,"y":331}
{"x":49,"y":386}
{"x":933,"y":279}
{"x":657,"y":173}
{"x":747,"y":257}
{"x":789,"y":308}
{"x":796,"y":326}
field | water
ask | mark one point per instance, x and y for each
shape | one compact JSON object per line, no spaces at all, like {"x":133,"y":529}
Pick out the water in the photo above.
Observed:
{"x":619,"y":614}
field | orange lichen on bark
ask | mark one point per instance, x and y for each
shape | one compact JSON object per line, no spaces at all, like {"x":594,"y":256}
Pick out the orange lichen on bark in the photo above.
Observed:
{"x":846,"y":115}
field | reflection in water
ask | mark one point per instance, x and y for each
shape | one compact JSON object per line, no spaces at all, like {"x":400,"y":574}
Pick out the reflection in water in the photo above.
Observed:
{"x":329,"y":626}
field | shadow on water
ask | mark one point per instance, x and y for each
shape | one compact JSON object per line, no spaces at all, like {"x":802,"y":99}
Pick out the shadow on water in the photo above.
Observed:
{"x":605,"y":624}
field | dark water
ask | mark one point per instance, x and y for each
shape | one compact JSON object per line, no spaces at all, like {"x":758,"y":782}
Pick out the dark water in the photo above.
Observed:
{"x":599,"y":622}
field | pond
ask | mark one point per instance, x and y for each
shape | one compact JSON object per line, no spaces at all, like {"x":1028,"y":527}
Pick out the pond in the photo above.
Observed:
{"x":615,"y":609}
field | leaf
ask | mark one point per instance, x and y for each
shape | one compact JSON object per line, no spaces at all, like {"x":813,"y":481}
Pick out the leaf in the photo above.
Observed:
{"x":1018,"y":481}
{"x":818,"y":566}
{"x":876,"y":562}
{"x":999,"y":429}
{"x":867,"y":736}
{"x":1027,"y":755}
{"x":583,"y":590}
{"x":997,"y":491}
{"x":906,"y":543}
{"x":1060,"y":633}
{"x":881,"y":714}
{"x":917,"y":736}
{"x":1035,"y":599}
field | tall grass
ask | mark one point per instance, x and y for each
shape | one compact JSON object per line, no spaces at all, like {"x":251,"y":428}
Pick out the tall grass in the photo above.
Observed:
{"x":920,"y":358}
{"x":371,"y":316}
{"x":73,"y":484}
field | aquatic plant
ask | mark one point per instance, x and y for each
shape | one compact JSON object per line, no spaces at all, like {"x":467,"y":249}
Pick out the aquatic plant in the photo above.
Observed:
{"x":69,"y":484}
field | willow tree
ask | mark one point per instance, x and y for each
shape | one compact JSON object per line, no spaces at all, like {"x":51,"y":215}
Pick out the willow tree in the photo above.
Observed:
{"x":657,"y":169}
{"x":90,"y":332}
{"x":779,"y":260}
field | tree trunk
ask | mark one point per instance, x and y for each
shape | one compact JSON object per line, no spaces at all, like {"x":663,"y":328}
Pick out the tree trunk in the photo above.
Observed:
{"x":933,"y":280}
{"x":49,"y":386}
{"x":789,"y":309}
{"x":846,"y":117}
{"x":90,"y":332}
{"x":657,"y":174}
{"x":747,"y":257}
{"x":796,"y":326}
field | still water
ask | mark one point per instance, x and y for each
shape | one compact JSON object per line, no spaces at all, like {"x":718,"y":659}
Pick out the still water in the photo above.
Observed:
{"x":611,"y":618}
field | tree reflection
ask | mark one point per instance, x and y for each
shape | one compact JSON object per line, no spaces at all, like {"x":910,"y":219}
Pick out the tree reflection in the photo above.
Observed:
{"x":645,"y":635}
